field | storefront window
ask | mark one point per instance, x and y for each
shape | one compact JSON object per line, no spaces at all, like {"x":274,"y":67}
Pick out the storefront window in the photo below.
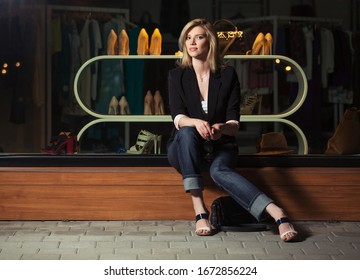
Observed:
{"x":45,"y":43}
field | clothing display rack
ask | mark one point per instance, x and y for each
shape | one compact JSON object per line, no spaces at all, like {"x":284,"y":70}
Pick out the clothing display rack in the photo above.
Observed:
{"x":276,"y":21}
{"x":292,"y":19}
{"x":53,"y":10}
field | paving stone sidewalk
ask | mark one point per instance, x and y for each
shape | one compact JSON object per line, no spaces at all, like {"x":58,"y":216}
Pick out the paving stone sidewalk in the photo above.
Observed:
{"x":171,"y":240}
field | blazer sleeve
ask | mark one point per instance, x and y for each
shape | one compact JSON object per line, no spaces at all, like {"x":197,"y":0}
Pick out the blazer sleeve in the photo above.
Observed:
{"x":225,"y":97}
{"x":176,"y":95}
{"x":233,"y":106}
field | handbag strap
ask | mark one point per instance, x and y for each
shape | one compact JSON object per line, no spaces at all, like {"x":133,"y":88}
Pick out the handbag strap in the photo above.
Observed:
{"x":225,"y":21}
{"x":232,"y":40}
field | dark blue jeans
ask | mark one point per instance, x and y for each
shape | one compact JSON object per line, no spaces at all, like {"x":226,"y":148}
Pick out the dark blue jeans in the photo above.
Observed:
{"x":186,"y":154}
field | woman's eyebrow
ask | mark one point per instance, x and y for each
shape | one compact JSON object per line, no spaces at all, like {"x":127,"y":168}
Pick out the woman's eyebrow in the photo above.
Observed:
{"x":203,"y":34}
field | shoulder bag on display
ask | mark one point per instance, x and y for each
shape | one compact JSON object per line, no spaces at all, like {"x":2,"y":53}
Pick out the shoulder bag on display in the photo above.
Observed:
{"x":231,"y":40}
{"x":346,"y":138}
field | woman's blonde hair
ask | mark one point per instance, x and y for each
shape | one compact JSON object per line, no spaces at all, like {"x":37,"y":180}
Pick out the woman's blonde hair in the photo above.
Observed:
{"x":214,"y":56}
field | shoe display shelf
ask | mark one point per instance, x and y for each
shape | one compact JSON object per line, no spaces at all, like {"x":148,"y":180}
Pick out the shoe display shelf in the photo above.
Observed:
{"x":277,"y":117}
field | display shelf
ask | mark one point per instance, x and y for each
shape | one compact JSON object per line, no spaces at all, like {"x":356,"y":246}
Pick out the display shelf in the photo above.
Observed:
{"x":280,"y":117}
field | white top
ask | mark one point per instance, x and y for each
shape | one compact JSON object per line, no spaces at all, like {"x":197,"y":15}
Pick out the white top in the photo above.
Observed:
{"x":204,"y":105}
{"x":178,"y":117}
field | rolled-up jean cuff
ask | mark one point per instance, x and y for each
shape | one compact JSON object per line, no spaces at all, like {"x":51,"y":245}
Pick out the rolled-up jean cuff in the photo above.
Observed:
{"x":258,"y":206}
{"x":193,"y":183}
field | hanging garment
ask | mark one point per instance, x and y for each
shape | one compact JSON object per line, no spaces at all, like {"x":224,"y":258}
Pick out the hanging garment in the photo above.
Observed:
{"x":85,"y":79}
{"x":341,"y":77}
{"x":327,"y":55}
{"x":109,"y":79}
{"x":71,"y":106}
{"x":134,"y":76}
{"x":309,"y":38}
{"x":95,"y":48}
{"x":297,"y":46}
{"x":309,"y":116}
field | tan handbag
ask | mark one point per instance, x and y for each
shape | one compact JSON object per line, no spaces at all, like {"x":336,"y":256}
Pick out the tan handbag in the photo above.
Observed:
{"x":346,"y":138}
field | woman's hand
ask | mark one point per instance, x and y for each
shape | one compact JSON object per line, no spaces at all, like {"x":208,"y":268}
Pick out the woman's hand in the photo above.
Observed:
{"x":204,"y":129}
{"x":216,"y":131}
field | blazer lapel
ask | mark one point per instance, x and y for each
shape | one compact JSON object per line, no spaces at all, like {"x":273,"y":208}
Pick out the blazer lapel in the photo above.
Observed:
{"x":190,"y":84}
{"x":214,"y":88}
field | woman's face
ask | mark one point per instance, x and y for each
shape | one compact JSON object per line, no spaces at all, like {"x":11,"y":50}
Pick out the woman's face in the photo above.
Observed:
{"x":196,"y":42}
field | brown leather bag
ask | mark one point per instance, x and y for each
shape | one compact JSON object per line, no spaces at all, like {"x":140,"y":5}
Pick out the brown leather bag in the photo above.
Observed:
{"x":346,"y":138}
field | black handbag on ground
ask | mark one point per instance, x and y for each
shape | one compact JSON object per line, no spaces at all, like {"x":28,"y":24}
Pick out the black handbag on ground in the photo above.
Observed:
{"x":228,"y":215}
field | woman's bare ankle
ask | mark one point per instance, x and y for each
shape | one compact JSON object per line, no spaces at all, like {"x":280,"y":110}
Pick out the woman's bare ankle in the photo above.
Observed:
{"x":275,"y":211}
{"x":198,"y":202}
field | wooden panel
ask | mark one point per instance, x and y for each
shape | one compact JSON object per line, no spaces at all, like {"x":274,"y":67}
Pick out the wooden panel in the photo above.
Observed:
{"x":94,"y":194}
{"x":311,"y":193}
{"x":89,"y":175}
{"x":151,"y":193}
{"x":89,"y":203}
{"x":302,"y":175}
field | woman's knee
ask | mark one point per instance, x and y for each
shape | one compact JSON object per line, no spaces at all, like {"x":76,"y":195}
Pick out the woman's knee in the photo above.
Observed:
{"x":219,"y":169}
{"x":215,"y":172}
{"x":188,"y":138}
{"x":187,"y":133}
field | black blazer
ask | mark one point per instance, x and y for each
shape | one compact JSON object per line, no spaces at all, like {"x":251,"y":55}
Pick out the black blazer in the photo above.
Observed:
{"x":223,"y":96}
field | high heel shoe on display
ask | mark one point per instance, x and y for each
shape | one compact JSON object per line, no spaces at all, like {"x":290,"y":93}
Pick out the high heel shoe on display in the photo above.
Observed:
{"x":64,"y":143}
{"x":113,"y":106}
{"x":155,"y":43}
{"x":268,"y":44}
{"x":258,"y":45}
{"x":158,"y":104}
{"x":123,"y":43}
{"x":145,"y":142}
{"x":112,"y":44}
{"x":250,"y":101}
{"x":143,"y":43}
{"x":157,"y":145}
{"x":124,"y":106}
{"x":148,"y":103}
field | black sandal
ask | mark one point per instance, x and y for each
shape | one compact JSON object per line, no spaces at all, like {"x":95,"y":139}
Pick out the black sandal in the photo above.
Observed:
{"x":198,"y":230}
{"x":286,"y":220}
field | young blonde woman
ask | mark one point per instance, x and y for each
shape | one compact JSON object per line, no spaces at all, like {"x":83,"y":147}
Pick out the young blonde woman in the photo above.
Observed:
{"x":204,"y":99}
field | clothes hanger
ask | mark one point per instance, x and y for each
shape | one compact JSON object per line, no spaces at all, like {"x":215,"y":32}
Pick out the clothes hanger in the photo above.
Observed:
{"x":124,"y":20}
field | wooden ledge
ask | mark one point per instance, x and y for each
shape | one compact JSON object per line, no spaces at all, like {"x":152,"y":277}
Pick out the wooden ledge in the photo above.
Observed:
{"x":156,"y":193}
{"x":121,"y":160}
